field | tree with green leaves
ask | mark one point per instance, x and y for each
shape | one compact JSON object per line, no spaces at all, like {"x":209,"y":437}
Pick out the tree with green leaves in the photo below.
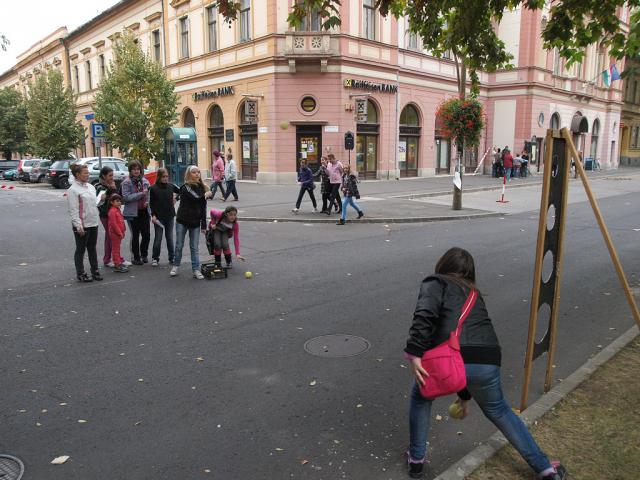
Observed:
{"x":13,"y":122}
{"x":136,"y":101}
{"x":52,"y":131}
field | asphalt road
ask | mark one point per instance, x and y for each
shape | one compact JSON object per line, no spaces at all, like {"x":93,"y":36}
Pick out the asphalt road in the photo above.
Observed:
{"x":177,"y":378}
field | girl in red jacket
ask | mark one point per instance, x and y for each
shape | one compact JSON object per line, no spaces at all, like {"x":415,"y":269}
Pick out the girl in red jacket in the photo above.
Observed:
{"x":116,"y":231}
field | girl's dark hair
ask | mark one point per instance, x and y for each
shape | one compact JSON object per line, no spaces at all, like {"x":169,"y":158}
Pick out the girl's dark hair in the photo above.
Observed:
{"x":104,"y":171}
{"x":458,"y":266}
{"x":76,"y":169}
{"x":160,"y":173}
{"x":135,"y":163}
{"x":228,"y":210}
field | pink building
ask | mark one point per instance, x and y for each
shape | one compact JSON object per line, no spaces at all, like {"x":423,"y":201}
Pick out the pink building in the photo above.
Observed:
{"x":274,"y":95}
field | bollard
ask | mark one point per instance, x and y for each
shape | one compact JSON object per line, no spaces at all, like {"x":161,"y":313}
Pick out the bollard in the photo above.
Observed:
{"x":504,"y":187}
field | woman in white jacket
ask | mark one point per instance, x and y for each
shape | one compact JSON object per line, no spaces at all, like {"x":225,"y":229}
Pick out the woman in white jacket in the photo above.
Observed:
{"x":83,"y":209}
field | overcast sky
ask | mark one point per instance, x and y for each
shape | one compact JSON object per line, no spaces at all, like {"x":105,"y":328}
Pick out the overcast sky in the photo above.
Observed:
{"x":24,"y":22}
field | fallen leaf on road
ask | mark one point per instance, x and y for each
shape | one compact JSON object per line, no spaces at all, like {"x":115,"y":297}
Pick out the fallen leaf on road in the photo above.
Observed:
{"x":359,"y":405}
{"x":458,"y":433}
{"x":279,"y":449}
{"x":62,"y":404}
{"x":23,"y":264}
{"x":612,"y":328}
{"x":439,"y":418}
{"x":82,"y":421}
{"x":141,"y":379}
{"x":304,"y":462}
{"x":137,"y":423}
{"x":606,"y":293}
{"x":199,"y":359}
{"x":60,"y":460}
{"x":206,"y":470}
{"x":312,"y":383}
{"x":636,"y":229}
{"x":38,"y":424}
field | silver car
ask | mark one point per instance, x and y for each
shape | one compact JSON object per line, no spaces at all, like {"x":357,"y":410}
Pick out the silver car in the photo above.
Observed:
{"x":119,"y":167}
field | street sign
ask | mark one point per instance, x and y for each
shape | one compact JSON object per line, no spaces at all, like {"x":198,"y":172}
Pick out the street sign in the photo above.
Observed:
{"x":98,"y":130}
{"x":361,"y":109}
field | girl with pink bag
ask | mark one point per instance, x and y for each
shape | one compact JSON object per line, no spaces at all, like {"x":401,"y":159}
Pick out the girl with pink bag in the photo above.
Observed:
{"x":450,"y":312}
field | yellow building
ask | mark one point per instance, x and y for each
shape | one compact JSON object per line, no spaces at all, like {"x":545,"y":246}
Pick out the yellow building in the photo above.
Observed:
{"x":630,"y":123}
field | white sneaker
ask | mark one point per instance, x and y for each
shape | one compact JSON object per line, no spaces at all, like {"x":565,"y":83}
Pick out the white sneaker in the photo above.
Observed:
{"x":110,"y":265}
{"x":174,"y":271}
{"x":154,"y":263}
{"x":295,"y":210}
{"x":198,"y":274}
{"x":126,"y":263}
{"x":315,"y":210}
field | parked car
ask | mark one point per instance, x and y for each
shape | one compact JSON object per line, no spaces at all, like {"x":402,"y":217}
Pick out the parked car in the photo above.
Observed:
{"x":58,"y":174}
{"x":120,"y":170}
{"x":24,"y":168}
{"x":38,"y":172}
{"x":8,"y":165}
{"x":11,"y":174}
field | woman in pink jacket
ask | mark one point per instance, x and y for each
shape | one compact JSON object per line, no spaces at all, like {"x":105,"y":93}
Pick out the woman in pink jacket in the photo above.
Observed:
{"x":218,"y":173}
{"x":222,"y":227}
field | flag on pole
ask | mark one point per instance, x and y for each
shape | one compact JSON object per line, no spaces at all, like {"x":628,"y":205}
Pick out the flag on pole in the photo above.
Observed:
{"x":606,"y":78}
{"x":615,"y":75}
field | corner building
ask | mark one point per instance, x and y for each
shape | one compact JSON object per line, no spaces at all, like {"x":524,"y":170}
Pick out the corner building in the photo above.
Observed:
{"x":274,"y":95}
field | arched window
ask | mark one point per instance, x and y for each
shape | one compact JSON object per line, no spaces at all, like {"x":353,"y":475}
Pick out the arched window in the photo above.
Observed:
{"x":555,"y":122}
{"x":188,"y":119}
{"x":595,"y":132}
{"x":409,"y":116}
{"x":216,"y":118}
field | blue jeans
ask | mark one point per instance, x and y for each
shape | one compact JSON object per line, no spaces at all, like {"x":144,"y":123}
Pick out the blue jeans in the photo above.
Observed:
{"x":507,"y":173}
{"x":157,"y":239}
{"x":349,"y":201}
{"x":194,"y":240}
{"x":483,"y":381}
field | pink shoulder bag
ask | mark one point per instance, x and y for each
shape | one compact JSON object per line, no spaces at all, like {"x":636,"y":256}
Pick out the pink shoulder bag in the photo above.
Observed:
{"x":444,"y":363}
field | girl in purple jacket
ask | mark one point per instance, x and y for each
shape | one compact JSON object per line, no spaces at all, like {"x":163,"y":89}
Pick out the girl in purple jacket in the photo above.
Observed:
{"x":305,"y":179}
{"x":222,"y":227}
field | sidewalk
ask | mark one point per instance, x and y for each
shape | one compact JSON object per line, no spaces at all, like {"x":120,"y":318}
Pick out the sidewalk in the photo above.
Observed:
{"x":394,"y":201}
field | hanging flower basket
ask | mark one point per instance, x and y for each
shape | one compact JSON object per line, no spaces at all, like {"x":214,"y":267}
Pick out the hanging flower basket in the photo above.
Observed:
{"x":462,"y":120}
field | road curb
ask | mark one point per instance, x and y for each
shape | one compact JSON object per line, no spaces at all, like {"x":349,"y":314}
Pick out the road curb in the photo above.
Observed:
{"x":470,"y":462}
{"x":333,"y":219}
{"x":413,"y":196}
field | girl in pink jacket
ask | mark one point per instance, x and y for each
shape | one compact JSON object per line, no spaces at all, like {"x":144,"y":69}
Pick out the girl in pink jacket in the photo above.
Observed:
{"x":222,"y":227}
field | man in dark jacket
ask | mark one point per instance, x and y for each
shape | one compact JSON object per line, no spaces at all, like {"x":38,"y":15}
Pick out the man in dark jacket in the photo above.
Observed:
{"x":305,"y":179}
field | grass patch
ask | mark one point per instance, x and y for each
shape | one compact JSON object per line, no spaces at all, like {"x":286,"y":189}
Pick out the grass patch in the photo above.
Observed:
{"x":594,"y":431}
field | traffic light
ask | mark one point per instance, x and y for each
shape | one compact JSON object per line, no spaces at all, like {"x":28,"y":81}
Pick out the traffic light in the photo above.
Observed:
{"x":348,"y":141}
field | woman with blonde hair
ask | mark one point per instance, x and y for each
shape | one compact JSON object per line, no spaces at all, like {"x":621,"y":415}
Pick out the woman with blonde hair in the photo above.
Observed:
{"x":191,"y":218}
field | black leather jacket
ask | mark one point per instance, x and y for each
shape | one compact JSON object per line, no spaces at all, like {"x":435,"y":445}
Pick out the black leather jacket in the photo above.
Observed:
{"x":437,"y":313}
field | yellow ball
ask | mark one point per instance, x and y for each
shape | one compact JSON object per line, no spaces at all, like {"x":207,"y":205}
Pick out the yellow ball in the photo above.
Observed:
{"x":248,"y":275}
{"x":455,"y":410}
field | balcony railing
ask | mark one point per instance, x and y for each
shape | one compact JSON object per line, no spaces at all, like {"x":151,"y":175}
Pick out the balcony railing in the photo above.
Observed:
{"x":309,"y":45}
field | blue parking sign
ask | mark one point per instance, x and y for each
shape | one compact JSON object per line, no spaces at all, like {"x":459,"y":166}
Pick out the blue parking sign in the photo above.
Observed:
{"x":98,"y":130}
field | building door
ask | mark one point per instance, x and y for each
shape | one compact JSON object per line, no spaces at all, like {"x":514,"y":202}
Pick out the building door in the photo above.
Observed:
{"x":216,"y":132}
{"x":409,"y":141}
{"x":367,"y":156}
{"x":367,"y":144}
{"x":249,"y":150}
{"x":443,"y":156}
{"x":309,"y":145}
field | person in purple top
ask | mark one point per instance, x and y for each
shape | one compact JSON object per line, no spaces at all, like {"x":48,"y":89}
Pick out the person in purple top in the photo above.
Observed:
{"x":305,"y":179}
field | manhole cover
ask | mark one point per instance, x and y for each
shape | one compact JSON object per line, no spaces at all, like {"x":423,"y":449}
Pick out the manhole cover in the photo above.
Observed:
{"x":11,"y":468}
{"x":338,"y":345}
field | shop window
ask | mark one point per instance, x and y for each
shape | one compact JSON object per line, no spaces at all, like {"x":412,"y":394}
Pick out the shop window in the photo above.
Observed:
{"x":369,"y":19}
{"x":409,"y":141}
{"x":216,"y":129}
{"x":212,"y":28}
{"x":635,"y":133}
{"x":184,"y":37}
{"x":245,"y":20}
{"x":188,"y":119}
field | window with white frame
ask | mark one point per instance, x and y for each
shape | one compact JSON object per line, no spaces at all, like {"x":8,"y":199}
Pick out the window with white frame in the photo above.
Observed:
{"x":634,"y":93}
{"x":184,"y":37}
{"x":556,"y":62}
{"x":368,"y":19}
{"x":76,"y":77}
{"x":212,"y":28}
{"x":155,"y":36}
{"x":635,"y":133}
{"x":595,"y":133}
{"x":245,"y":20}
{"x":88,"y":74}
{"x":412,"y":40}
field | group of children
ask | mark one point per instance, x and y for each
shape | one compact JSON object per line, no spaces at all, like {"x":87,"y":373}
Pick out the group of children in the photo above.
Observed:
{"x":154,"y":204}
{"x":334,"y":177}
